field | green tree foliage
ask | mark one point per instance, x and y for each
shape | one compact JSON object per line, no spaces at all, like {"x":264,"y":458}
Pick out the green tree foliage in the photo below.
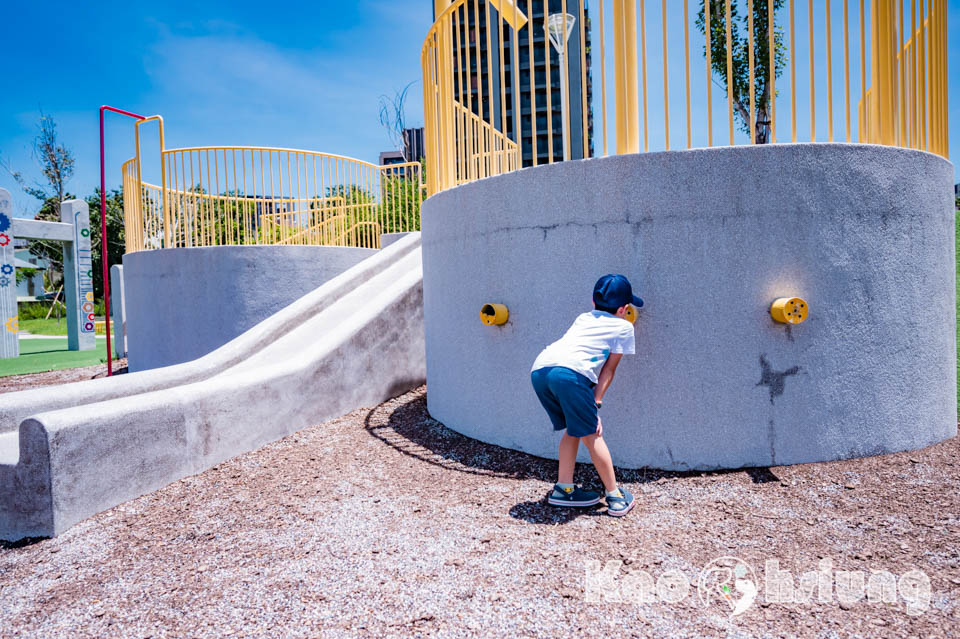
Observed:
{"x":400,"y":204}
{"x":116,"y":245}
{"x":739,"y":47}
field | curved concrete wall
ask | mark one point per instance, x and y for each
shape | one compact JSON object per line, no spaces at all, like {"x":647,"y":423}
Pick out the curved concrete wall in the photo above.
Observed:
{"x":183,"y":303}
{"x":710,"y":238}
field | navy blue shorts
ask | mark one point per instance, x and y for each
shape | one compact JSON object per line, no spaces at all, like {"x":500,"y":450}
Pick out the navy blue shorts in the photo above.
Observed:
{"x":567,"y":396}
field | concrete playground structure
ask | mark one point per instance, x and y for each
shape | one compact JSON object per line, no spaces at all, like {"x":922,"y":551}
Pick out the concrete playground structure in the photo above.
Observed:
{"x":73,"y":232}
{"x":70,"y":451}
{"x":183,"y":303}
{"x":710,"y":238}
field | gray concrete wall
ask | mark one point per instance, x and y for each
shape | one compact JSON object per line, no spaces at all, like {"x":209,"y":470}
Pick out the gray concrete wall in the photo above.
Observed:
{"x":118,"y":312}
{"x":183,"y":303}
{"x":710,"y":238}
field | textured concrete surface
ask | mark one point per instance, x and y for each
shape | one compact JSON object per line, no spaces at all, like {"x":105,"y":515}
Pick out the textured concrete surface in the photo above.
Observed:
{"x":710,"y":238}
{"x":386,"y":239}
{"x":118,"y":312}
{"x":81,"y":448}
{"x":183,"y":303}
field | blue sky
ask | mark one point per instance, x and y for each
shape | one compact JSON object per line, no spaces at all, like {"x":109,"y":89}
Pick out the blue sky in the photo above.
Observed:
{"x":300,"y":75}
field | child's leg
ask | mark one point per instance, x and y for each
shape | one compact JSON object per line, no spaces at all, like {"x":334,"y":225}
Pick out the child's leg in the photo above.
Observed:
{"x":567,"y":458}
{"x":602,"y":461}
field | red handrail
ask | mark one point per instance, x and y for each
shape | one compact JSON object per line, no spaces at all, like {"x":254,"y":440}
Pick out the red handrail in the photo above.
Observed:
{"x":103,"y":233}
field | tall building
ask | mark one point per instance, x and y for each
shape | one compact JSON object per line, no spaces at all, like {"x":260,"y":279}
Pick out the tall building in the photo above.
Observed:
{"x":483,"y":91}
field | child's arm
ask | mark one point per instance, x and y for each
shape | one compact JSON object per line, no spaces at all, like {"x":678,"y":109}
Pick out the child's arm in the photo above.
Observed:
{"x":606,"y":375}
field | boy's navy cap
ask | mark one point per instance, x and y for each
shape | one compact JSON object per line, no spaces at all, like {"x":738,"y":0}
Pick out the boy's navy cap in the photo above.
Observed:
{"x":614,"y":291}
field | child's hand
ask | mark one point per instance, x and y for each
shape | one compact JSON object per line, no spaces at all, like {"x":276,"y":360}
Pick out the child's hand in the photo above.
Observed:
{"x":599,"y":427}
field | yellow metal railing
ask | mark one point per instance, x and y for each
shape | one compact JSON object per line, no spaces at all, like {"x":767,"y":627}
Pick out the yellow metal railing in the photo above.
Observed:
{"x":489,"y":70}
{"x":211,"y":196}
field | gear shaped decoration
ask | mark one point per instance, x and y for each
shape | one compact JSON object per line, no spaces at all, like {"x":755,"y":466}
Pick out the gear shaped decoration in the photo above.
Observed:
{"x":6,"y":269}
{"x":4,"y":222}
{"x":4,"y":239}
{"x":4,"y":281}
{"x":13,"y":324}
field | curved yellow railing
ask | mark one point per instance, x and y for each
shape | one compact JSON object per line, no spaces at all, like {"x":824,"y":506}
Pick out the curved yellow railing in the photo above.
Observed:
{"x":462,"y":144}
{"x":223,"y":195}
{"x":873,"y":71}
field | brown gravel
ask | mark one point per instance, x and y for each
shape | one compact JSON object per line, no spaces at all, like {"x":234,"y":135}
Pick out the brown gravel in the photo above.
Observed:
{"x":385,"y":523}
{"x":51,"y":378}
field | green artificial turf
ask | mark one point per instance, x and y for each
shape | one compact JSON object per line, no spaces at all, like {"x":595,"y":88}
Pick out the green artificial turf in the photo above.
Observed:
{"x":40,"y":355}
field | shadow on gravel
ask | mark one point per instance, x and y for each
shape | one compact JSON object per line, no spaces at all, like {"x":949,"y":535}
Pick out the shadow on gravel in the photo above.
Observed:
{"x":410,"y":430}
{"x":22,"y":543}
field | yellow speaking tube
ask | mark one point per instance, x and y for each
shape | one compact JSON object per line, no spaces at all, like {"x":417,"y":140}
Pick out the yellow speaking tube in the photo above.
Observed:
{"x":789,"y":310}
{"x":631,"y":315}
{"x":494,"y":314}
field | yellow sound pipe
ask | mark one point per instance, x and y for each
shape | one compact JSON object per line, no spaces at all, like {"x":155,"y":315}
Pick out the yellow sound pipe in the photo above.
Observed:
{"x":494,"y":314}
{"x":631,"y":315}
{"x":789,"y":310}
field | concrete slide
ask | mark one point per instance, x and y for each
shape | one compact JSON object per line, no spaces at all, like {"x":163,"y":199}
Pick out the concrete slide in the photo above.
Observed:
{"x":68,"y":452}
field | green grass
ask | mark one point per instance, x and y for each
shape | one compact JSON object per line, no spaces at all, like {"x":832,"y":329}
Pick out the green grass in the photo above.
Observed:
{"x":41,"y":355}
{"x":44,"y":326}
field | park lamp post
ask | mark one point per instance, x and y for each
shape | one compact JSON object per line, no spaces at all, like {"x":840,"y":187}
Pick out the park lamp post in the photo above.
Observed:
{"x":555,"y":25}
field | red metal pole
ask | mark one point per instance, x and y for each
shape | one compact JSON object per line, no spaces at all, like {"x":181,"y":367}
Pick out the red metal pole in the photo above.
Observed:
{"x":103,"y":233}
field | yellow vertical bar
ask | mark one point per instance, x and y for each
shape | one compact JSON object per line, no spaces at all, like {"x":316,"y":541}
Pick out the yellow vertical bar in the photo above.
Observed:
{"x":686,"y":63}
{"x":476,"y":48}
{"x":490,"y":93}
{"x":944,"y":76}
{"x":924,"y":118}
{"x":547,"y":74}
{"x":901,"y":68}
{"x":631,"y":91}
{"x":566,"y":78}
{"x":793,"y":79}
{"x":533,"y":77}
{"x":813,"y":106}
{"x":603,"y":76}
{"x":861,"y":117}
{"x":584,"y":106}
{"x":829,"y":79}
{"x":515,"y":81}
{"x":772,"y":65}
{"x":751,"y":86}
{"x":643,"y":58}
{"x":619,"y":75}
{"x":846,"y":64}
{"x":503,"y":76}
{"x":625,"y":67}
{"x":666,"y":84}
{"x":915,"y":80}
{"x":236,"y":201}
{"x":876,"y":77}
{"x":707,"y":26}
{"x":932,"y":74}
{"x":729,"y":75}
{"x":458,"y":120}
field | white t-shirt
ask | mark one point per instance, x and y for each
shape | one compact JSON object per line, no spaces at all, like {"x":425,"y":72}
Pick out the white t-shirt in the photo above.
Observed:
{"x":587,"y":343}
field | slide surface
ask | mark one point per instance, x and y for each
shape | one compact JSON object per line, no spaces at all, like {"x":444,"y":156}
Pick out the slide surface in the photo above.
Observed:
{"x":70,"y":451}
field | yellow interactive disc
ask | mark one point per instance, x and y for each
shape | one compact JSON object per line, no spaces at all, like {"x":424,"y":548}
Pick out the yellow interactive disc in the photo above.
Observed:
{"x":789,"y":310}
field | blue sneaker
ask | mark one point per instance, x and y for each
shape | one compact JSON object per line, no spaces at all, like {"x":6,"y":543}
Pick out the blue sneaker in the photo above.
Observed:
{"x":575,"y":497}
{"x":620,"y":506}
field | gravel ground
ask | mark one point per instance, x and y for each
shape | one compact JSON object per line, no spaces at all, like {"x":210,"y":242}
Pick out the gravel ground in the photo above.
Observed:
{"x":385,"y":523}
{"x":23,"y":382}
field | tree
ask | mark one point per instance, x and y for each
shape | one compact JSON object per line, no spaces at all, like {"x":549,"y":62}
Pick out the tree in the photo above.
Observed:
{"x":739,"y":46}
{"x":116,"y":245}
{"x":56,"y":163}
{"x":394,"y":120}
